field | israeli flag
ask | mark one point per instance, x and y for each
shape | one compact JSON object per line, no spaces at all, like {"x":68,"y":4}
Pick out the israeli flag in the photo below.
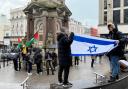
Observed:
{"x":88,"y":45}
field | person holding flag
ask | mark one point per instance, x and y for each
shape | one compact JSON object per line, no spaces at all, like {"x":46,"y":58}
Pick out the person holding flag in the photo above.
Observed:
{"x":117,"y":52}
{"x":64,"y":56}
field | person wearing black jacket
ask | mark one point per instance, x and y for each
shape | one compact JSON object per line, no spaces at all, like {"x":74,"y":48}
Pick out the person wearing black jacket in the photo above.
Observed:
{"x":115,"y":54}
{"x":38,"y":60}
{"x":77,"y":61}
{"x":30,"y":60}
{"x":64,"y":56}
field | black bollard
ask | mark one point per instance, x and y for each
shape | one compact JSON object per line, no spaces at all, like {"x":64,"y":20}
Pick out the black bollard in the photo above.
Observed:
{"x":84,"y":58}
{"x":19,"y":63}
{"x":7,"y":62}
{"x":3,"y":62}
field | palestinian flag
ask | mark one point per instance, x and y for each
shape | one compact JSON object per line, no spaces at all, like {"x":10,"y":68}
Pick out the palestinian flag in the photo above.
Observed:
{"x":20,"y":43}
{"x":19,"y":40}
{"x":33,"y":40}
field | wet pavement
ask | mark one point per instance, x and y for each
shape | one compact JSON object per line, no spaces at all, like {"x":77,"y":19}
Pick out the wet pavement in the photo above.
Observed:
{"x":81,"y":76}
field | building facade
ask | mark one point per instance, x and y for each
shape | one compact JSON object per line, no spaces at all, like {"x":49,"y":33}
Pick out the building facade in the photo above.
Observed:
{"x":113,"y":11}
{"x":4,"y":29}
{"x":77,"y":27}
{"x":18,"y":24}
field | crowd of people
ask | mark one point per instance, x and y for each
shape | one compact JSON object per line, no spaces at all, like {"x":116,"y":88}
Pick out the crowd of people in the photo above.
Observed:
{"x":33,"y":55}
{"x":26,"y":57}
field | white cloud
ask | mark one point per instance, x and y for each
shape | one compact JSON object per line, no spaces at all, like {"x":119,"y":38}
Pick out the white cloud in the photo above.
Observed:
{"x":6,"y":5}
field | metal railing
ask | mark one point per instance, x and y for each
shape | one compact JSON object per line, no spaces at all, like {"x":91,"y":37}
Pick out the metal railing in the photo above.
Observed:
{"x":119,"y":84}
{"x":24,"y":84}
{"x":102,"y":77}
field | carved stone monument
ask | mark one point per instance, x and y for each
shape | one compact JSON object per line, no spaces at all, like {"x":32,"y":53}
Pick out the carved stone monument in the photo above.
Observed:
{"x":46,"y":17}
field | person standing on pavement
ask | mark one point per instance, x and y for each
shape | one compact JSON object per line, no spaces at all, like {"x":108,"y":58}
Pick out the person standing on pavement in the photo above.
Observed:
{"x":115,"y":54}
{"x":24,"y":51}
{"x":30,"y":60}
{"x":93,"y":61}
{"x":77,"y":61}
{"x":64,"y":55}
{"x":49,"y":63}
{"x":14,"y":57}
{"x":38,"y":60}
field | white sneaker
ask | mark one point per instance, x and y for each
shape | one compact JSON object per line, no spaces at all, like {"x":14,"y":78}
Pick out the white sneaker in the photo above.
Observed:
{"x":59,"y":84}
{"x":65,"y":85}
{"x":40,"y":73}
{"x":37,"y":74}
{"x":29,"y":74}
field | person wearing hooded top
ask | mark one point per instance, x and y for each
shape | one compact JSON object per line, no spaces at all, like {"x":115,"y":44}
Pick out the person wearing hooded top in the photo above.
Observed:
{"x":38,"y":60}
{"x":64,"y":56}
{"x":115,"y":54}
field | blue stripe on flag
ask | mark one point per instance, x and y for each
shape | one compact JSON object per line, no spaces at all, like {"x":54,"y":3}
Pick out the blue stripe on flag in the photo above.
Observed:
{"x":88,"y":54}
{"x":93,"y":41}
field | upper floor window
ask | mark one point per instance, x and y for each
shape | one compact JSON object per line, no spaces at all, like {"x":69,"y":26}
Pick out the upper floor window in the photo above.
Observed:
{"x":116,"y":3}
{"x":105,"y":17}
{"x":105,"y":4}
{"x":125,"y":15}
{"x":125,"y":2}
{"x":116,"y":16}
{"x":13,"y":17}
{"x":7,"y":34}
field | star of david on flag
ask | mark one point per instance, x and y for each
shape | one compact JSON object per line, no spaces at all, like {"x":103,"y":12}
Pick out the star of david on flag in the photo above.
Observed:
{"x":92,"y":49}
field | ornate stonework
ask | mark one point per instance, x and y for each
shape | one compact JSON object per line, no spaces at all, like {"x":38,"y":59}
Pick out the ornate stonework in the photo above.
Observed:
{"x":50,"y":1}
{"x":46,"y":19}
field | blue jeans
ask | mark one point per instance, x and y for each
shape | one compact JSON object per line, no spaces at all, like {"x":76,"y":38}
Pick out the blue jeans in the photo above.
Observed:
{"x":115,"y":65}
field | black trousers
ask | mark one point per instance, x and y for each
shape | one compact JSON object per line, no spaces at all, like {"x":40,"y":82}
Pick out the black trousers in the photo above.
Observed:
{"x":39,"y":68}
{"x":25,"y":61}
{"x":54,"y":63}
{"x":15,"y":62}
{"x":29,"y":67}
{"x":49,"y":64}
{"x":76,"y":61}
{"x":92,"y":63}
{"x":66,"y":74}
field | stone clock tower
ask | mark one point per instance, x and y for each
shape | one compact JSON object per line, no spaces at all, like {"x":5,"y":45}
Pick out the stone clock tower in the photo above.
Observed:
{"x":46,"y":17}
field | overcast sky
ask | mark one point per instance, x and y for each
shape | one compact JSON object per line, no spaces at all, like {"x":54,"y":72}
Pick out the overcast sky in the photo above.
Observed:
{"x":85,"y":11}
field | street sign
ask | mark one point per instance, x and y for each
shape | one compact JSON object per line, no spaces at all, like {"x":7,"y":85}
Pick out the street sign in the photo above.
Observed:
{"x":6,"y":41}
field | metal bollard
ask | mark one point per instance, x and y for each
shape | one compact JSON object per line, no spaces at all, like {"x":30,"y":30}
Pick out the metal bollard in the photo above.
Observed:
{"x":7,"y":62}
{"x":3,"y":62}
{"x":84,"y":58}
